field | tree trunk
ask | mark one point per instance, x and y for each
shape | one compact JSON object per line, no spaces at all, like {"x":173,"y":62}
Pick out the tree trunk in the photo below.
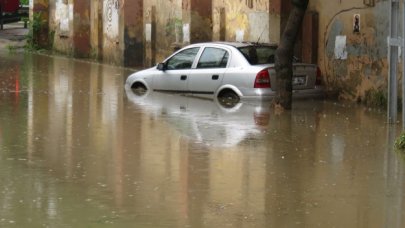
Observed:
{"x":285,"y":54}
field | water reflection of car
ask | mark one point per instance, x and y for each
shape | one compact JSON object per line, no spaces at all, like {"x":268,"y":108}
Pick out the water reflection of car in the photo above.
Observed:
{"x":224,"y":70}
{"x":205,"y":121}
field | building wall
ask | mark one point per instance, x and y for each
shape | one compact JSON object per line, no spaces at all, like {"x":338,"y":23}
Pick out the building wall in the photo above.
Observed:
{"x":112,"y":31}
{"x":163,"y":21}
{"x":353,"y":63}
{"x":168,"y":25}
{"x":61,"y":23}
{"x":133,"y":33}
{"x":81,"y":27}
{"x":96,"y":29}
{"x":244,"y":21}
{"x":201,"y":21}
{"x":39,"y":11}
{"x":109,"y":29}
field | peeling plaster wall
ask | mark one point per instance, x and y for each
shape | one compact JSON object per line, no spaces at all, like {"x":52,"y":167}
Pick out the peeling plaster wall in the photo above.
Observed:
{"x":200,"y":21}
{"x":96,"y":28}
{"x":133,"y":33}
{"x":113,"y":32}
{"x":168,"y":26}
{"x":81,"y":24}
{"x":70,"y":27}
{"x":245,"y":21}
{"x":365,"y":67}
{"x":61,"y":23}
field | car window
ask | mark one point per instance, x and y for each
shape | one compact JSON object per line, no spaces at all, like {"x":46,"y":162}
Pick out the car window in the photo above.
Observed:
{"x":213,"y":58}
{"x":257,"y":55}
{"x":183,"y":59}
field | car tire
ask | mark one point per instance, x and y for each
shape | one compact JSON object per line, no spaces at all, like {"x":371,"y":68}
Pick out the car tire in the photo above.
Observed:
{"x":228,"y":98}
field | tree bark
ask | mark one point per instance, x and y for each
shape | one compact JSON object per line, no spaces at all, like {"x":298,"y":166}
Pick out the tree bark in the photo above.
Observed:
{"x":285,"y":54}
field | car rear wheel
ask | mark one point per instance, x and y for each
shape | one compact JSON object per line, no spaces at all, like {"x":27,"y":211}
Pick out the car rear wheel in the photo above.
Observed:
{"x":228,"y":98}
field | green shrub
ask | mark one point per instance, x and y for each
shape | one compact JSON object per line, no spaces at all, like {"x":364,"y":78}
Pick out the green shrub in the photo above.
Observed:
{"x":400,"y":146}
{"x":375,"y":98}
{"x":400,"y":142}
{"x":35,"y":27}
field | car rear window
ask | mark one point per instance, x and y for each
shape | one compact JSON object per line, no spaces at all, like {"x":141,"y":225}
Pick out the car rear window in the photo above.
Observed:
{"x":257,"y":55}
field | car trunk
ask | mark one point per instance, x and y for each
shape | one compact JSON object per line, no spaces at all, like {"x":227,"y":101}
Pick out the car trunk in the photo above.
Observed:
{"x":304,"y":76}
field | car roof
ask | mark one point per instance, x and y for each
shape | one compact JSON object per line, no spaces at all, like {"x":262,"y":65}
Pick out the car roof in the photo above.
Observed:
{"x":241,"y":44}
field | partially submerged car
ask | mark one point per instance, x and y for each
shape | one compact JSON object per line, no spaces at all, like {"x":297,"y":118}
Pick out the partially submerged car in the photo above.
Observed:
{"x":225,"y":70}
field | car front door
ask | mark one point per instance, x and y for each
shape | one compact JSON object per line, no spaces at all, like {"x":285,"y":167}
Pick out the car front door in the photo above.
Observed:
{"x":177,"y":70}
{"x":209,"y":72}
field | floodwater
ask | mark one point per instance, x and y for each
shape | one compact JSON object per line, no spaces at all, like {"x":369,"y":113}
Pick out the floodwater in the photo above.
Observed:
{"x":78,"y":150}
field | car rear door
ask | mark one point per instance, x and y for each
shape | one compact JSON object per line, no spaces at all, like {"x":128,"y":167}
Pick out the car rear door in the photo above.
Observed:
{"x":176,"y":75}
{"x":209,"y":72}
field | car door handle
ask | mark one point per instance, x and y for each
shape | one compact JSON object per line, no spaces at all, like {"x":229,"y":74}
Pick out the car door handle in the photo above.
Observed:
{"x":215,"y":77}
{"x":183,"y":77}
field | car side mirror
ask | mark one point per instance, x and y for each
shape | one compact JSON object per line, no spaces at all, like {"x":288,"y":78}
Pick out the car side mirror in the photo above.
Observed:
{"x":161,"y":66}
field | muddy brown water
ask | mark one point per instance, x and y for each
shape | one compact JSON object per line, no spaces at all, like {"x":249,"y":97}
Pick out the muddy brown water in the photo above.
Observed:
{"x":78,"y":150}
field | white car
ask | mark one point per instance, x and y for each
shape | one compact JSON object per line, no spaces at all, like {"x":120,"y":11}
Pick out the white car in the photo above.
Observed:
{"x":224,"y":70}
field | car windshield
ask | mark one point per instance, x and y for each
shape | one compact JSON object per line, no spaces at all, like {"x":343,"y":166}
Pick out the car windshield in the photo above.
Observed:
{"x":257,"y":55}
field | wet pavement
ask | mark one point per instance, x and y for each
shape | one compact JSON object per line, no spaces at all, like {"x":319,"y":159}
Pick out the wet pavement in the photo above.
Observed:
{"x":13,"y":35}
{"x":77,"y":150}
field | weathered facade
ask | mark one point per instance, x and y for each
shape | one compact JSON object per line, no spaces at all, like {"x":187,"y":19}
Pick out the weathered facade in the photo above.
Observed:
{"x":346,"y":38}
{"x":244,"y":21}
{"x":139,"y":33}
{"x":353,"y":55}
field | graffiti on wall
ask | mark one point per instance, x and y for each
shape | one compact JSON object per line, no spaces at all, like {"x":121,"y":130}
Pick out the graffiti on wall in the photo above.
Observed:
{"x":111,"y":19}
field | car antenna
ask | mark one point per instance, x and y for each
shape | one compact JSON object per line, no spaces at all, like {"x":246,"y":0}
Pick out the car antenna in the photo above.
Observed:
{"x":260,"y":37}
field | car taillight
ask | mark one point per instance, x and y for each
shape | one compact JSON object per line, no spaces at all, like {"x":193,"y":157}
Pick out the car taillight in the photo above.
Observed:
{"x":263,"y":79}
{"x":318,"y":77}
